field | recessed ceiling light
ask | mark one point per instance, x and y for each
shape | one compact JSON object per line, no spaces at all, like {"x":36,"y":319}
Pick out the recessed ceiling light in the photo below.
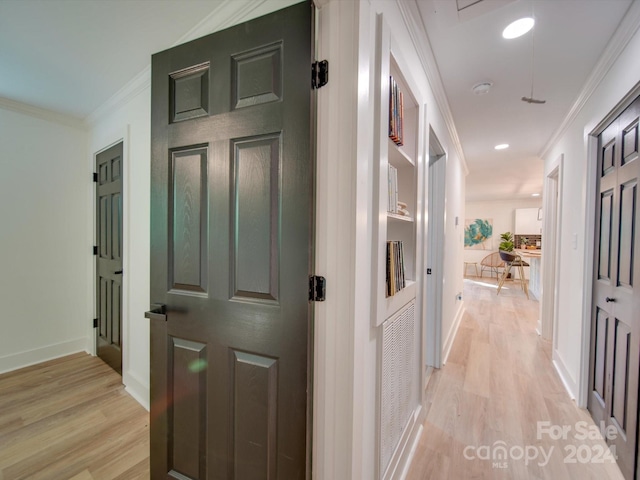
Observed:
{"x":482,"y":88}
{"x":535,"y":194}
{"x":502,"y":146}
{"x":518,"y":28}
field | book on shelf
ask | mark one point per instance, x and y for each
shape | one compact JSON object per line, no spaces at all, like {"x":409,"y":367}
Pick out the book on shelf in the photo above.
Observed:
{"x":396,"y":113}
{"x":392,"y":203}
{"x":395,"y":278}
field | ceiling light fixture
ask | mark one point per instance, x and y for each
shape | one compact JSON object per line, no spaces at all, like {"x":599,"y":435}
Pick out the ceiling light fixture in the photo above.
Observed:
{"x":518,"y":28}
{"x":482,"y":88}
{"x":502,"y":146}
{"x":531,"y":99}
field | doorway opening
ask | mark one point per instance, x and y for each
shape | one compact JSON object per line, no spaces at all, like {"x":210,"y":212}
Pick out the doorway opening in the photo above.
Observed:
{"x":435,"y":250}
{"x":552,"y":226}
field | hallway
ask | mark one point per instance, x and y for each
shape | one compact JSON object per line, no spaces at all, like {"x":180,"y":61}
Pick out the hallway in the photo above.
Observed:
{"x":499,"y":389}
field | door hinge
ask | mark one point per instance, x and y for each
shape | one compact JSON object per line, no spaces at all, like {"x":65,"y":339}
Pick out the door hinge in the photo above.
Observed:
{"x":317,"y":288}
{"x":95,"y":323}
{"x":95,"y":178}
{"x":319,"y":74}
{"x":428,"y":271}
{"x":95,"y":249}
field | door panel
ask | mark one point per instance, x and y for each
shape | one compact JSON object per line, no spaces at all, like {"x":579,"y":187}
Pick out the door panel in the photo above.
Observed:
{"x":231,"y":233}
{"x":615,"y":339}
{"x":109,"y":261}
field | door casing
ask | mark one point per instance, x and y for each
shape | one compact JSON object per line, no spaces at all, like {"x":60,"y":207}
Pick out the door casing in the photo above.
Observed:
{"x":106,"y":142}
{"x":589,"y":244}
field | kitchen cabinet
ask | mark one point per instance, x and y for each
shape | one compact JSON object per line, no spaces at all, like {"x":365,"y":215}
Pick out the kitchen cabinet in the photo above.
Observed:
{"x":528,"y":221}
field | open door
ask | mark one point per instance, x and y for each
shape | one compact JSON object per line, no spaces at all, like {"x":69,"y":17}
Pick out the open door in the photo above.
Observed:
{"x":231,"y":248}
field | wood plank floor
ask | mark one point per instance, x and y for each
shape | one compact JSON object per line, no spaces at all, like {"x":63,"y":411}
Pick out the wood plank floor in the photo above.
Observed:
{"x":70,"y":418}
{"x":497,"y":385}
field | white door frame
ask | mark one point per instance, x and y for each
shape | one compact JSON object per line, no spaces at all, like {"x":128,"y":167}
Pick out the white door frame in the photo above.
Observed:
{"x":552,"y":228}
{"x":589,"y":243}
{"x":102,"y":144}
{"x":436,"y":207}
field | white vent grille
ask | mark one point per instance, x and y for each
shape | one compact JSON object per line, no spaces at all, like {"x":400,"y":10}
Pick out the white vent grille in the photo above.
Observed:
{"x":397,"y":381}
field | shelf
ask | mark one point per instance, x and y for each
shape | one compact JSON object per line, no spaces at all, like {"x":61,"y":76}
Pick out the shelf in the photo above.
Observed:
{"x":398,"y":157}
{"x":402,"y":218}
{"x":400,"y":299}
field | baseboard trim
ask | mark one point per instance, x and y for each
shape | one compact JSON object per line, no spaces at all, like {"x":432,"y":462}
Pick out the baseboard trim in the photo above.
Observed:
{"x":19,"y":360}
{"x":563,"y":372}
{"x":402,"y":457}
{"x":448,"y":344}
{"x":137,"y":388}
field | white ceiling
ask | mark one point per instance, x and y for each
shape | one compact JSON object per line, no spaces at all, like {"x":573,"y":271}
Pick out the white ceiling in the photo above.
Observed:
{"x":570,"y":36}
{"x":71,"y":56}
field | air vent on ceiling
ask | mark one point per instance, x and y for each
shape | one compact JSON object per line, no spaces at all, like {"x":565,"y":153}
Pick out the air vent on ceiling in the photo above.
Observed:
{"x":462,"y":4}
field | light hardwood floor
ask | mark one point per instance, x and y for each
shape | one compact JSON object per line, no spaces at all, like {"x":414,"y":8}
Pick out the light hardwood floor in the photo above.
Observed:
{"x":70,"y":418}
{"x":497,"y":384}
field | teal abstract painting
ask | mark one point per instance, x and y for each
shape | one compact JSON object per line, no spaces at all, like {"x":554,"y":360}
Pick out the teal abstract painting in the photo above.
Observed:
{"x":478,"y":233}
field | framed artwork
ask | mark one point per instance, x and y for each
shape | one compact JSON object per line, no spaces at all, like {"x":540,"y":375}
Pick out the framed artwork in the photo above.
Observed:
{"x":478,"y":233}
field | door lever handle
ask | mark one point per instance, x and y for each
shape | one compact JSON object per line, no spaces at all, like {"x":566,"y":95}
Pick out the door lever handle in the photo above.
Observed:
{"x":609,"y":299}
{"x":157,"y":313}
{"x":118,"y":272}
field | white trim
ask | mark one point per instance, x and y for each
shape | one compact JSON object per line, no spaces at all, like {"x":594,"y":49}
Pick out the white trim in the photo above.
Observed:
{"x":448,"y":344}
{"x":412,"y":452}
{"x":436,"y":209}
{"x":621,"y":37}
{"x":42,"y":114}
{"x":123,"y":96}
{"x":552,"y":222}
{"x":564,"y":374}
{"x":137,"y":388}
{"x":591,"y":143}
{"x":15,"y":361}
{"x":334,"y":435}
{"x":400,"y":463}
{"x":98,"y":146}
{"x":417,"y":32}
{"x":223,"y":16}
{"x":588,"y":260}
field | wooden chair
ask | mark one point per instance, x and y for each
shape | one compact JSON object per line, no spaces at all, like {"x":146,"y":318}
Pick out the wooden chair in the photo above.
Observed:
{"x":513,"y":260}
{"x":493,"y":263}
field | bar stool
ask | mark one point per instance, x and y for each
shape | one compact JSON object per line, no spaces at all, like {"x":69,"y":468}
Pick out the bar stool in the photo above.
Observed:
{"x":469,"y":264}
{"x":513,"y":260}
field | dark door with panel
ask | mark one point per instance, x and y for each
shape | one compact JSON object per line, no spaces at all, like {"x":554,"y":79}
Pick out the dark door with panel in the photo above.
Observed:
{"x":615,"y":330}
{"x":109,"y":255}
{"x":231,"y":217}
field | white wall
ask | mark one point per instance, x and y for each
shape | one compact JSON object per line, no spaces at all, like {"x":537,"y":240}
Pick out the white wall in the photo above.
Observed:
{"x":131,"y":123}
{"x":503,"y":214}
{"x":347,"y":127}
{"x":45,"y":244}
{"x":572,"y":308}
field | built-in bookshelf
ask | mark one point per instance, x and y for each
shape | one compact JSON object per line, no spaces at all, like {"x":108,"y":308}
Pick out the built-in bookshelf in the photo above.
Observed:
{"x":398,"y":251}
{"x":397,"y":153}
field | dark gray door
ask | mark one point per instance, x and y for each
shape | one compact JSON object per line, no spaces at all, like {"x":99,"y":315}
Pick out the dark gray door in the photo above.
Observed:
{"x":231,"y":217}
{"x":615,"y":330}
{"x":109,"y":261}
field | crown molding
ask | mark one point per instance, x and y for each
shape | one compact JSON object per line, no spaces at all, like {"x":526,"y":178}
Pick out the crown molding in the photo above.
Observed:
{"x":42,"y":113}
{"x":619,"y":40}
{"x":226,"y":14}
{"x":417,"y":31}
{"x":130,"y":90}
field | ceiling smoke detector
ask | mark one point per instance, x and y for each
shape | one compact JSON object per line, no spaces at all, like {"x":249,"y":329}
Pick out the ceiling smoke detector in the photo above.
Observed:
{"x":482,"y":88}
